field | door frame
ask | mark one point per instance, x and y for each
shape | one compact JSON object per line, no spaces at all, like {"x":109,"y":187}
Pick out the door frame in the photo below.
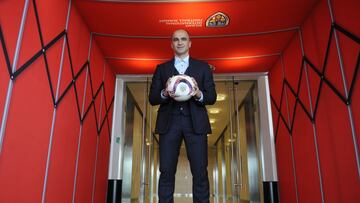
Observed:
{"x":267,"y":152}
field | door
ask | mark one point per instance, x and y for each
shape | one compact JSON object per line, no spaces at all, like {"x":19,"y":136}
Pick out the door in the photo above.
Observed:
{"x":140,"y":164}
{"x":237,"y":172}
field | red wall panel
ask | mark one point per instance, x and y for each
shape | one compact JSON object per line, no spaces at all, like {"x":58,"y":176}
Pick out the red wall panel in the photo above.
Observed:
{"x":109,"y":89}
{"x":31,"y":40}
{"x":109,"y":83}
{"x":332,"y":125}
{"x":26,"y":140}
{"x":84,"y":183}
{"x":347,"y":13}
{"x":286,"y":176}
{"x":88,"y":94}
{"x":79,"y":38}
{"x":53,"y":58}
{"x":79,"y":41}
{"x":275,"y":81}
{"x":52,"y":17}
{"x":315,"y":33}
{"x":97,"y":66}
{"x":102,"y":166}
{"x":292,"y":65}
{"x":66,"y":73}
{"x":292,"y":61}
{"x":64,"y":150}
{"x":332,"y":68}
{"x":308,"y":180}
{"x":336,"y":150}
{"x":102,"y":108}
{"x":10,"y":18}
{"x":350,"y":53}
{"x":304,"y":91}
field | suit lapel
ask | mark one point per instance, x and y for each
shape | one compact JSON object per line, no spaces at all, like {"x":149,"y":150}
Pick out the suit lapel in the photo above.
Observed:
{"x":189,"y":70}
{"x":170,"y":68}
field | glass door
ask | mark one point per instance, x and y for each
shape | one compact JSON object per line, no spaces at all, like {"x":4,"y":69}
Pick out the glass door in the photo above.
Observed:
{"x":140,"y":165}
{"x":151,"y":153}
{"x":237,"y":170}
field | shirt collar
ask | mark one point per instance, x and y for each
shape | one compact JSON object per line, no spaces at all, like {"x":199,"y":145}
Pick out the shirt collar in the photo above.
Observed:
{"x":179,"y":60}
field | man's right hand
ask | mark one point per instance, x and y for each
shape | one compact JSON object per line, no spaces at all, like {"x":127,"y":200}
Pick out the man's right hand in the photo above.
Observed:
{"x":165,"y":92}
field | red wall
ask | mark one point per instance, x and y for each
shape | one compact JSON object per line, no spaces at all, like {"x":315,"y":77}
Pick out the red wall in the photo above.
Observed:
{"x":314,"y":143}
{"x":49,"y":151}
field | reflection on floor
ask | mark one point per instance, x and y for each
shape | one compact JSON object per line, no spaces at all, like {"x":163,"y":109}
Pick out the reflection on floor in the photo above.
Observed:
{"x":212,"y":200}
{"x":189,"y":200}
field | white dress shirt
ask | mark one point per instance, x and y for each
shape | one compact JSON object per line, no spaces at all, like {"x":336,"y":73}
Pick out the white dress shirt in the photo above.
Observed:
{"x":181,"y":64}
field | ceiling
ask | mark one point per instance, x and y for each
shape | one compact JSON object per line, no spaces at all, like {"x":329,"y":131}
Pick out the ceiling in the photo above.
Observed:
{"x":134,"y":35}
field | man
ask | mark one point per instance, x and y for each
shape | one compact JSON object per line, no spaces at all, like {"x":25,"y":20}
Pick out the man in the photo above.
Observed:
{"x":183,"y":120}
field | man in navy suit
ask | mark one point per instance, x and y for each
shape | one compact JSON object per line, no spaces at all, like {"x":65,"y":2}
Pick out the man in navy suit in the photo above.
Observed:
{"x":183,"y":120}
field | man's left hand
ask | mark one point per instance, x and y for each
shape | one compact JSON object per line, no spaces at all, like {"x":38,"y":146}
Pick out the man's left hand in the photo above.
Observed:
{"x":197,"y":92}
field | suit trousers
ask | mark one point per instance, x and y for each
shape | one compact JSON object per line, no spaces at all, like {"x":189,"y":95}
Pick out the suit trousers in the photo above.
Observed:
{"x":196,"y":149}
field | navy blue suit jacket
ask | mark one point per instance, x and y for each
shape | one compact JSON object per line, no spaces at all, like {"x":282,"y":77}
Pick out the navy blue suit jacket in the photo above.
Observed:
{"x":202,"y":73}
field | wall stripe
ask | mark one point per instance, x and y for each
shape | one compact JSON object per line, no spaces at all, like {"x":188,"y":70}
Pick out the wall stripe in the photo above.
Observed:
{"x":95,"y":169}
{"x":81,"y":124}
{"x":291,"y":138}
{"x":312,"y":123}
{"x":10,"y":86}
{"x":48,"y":159}
{"x":77,"y":164}
{"x":98,"y":137}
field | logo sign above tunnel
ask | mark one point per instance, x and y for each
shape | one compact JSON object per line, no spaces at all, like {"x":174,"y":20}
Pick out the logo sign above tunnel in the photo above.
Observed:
{"x":218,"y":19}
{"x":187,"y":22}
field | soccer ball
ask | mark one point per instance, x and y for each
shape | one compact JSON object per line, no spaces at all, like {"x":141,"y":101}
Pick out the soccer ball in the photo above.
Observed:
{"x":181,"y":87}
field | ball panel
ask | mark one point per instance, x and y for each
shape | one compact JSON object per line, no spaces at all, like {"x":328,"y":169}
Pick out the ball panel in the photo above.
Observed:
{"x":181,"y":87}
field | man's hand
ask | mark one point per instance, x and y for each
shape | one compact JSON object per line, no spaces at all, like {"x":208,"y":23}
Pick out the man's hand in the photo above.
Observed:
{"x":165,"y":91}
{"x":197,"y":93}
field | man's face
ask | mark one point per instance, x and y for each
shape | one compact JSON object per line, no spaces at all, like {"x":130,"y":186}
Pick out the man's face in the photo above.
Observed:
{"x":181,"y":43}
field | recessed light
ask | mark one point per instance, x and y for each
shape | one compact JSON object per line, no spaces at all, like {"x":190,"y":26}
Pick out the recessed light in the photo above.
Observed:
{"x":220,"y":97}
{"x":214,"y":110}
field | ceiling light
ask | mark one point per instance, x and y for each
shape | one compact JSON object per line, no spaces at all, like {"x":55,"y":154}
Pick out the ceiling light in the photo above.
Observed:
{"x":220,"y":97}
{"x":214,"y":110}
{"x":212,"y":120}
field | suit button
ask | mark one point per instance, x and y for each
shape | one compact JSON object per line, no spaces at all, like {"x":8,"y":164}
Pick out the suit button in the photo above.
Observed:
{"x":181,"y":108}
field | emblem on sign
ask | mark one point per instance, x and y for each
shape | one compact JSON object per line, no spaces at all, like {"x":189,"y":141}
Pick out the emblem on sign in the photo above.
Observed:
{"x":218,"y":19}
